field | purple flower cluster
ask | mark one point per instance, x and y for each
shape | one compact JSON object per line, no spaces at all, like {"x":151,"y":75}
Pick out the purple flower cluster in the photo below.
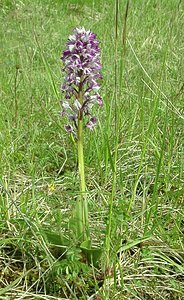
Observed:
{"x":82,"y":65}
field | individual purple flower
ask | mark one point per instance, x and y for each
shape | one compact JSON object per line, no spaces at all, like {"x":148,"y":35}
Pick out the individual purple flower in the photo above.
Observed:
{"x":91,"y":123}
{"x":69,"y":128}
{"x":82,"y":66}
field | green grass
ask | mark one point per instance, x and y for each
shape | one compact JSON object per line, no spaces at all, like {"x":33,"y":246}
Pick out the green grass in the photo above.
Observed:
{"x":134,"y":160}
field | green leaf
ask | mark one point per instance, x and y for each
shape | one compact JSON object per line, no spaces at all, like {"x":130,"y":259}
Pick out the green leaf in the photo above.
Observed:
{"x":134,"y":243}
{"x":59,"y":243}
{"x":93,"y":254}
{"x":55,"y":239}
{"x":76,"y":223}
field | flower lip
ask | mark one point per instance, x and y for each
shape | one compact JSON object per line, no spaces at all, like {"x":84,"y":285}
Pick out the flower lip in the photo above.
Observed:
{"x":69,"y":128}
{"x":91,"y":123}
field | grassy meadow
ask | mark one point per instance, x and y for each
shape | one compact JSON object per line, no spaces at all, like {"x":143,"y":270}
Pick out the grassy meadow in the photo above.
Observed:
{"x":134,"y":159}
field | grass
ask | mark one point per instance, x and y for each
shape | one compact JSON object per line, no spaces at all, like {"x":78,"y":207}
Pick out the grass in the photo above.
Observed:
{"x":134,"y":160}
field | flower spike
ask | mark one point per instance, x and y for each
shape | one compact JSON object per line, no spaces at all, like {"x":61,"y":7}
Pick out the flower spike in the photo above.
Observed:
{"x":82,"y":67}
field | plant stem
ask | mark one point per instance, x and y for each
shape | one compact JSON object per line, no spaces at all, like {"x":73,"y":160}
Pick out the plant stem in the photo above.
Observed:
{"x":83,"y":198}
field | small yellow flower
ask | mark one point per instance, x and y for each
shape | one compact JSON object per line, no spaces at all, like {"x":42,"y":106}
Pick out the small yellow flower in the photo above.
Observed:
{"x":51,"y":187}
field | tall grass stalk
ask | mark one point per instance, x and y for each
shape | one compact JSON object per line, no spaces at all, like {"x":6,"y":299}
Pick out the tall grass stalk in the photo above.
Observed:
{"x":116,"y":133}
{"x":16,"y":83}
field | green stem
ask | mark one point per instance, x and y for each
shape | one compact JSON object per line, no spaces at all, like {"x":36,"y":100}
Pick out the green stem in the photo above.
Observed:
{"x":83,"y":199}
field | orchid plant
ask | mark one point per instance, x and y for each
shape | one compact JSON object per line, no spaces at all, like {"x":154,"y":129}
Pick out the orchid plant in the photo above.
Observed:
{"x":82,"y":67}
